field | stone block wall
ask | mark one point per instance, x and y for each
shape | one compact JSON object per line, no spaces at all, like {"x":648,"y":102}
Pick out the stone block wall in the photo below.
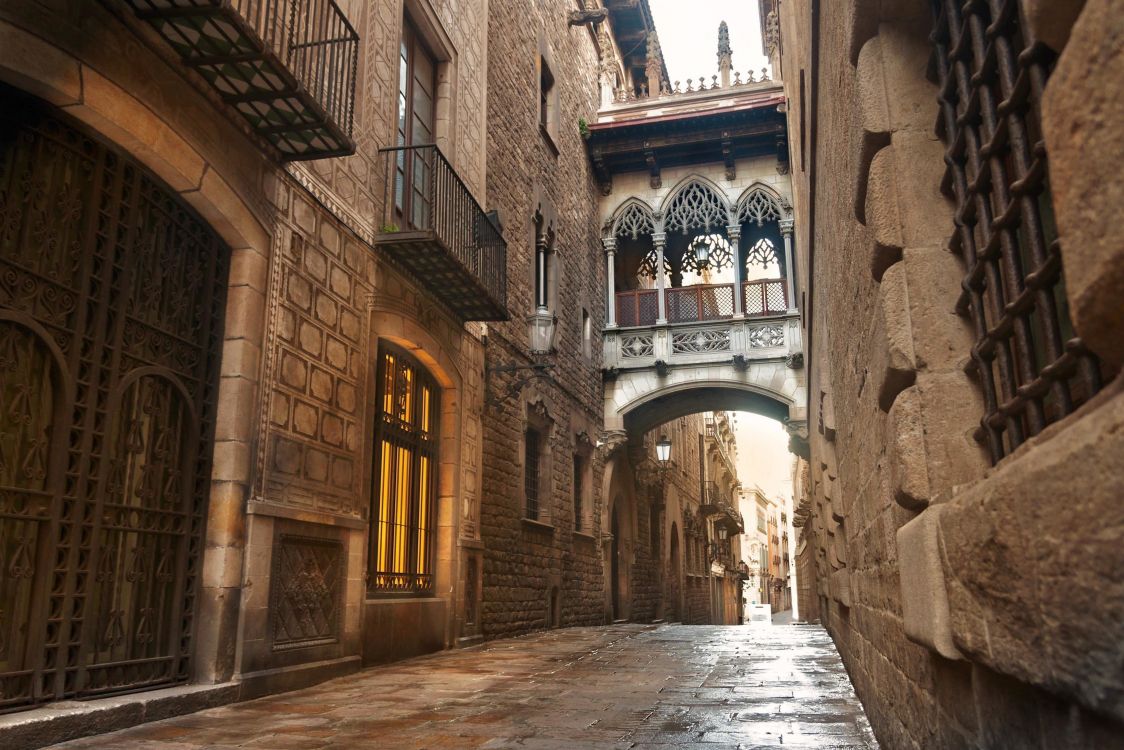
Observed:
{"x":941,"y":579}
{"x":307,"y":307}
{"x":531,"y":171}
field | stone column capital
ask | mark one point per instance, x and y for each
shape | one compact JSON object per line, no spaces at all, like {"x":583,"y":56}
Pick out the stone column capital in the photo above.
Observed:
{"x":659,"y":239}
{"x":734,"y":231}
{"x":786,"y":226}
{"x":610,"y":244}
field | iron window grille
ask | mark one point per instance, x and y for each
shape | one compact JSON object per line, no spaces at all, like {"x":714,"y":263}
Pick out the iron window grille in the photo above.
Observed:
{"x":1031,"y":366}
{"x":579,"y":489}
{"x":532,"y":449}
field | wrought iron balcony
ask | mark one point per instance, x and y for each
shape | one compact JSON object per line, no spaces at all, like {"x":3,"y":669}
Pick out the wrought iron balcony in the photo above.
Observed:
{"x":713,"y":499}
{"x":730,"y":518}
{"x":287,"y":66}
{"x":435,"y":229}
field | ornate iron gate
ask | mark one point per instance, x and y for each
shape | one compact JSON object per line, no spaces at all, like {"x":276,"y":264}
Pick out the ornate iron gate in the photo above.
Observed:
{"x":111,"y":301}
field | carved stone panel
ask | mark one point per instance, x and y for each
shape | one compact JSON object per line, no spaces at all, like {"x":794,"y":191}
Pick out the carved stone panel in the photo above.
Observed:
{"x":316,"y":365}
{"x":306,"y":601}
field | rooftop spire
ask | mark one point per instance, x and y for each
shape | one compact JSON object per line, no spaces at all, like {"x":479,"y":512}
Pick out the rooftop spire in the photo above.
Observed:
{"x":725,"y":54}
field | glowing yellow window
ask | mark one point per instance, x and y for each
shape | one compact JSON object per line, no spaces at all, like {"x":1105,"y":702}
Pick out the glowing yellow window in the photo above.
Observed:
{"x":404,"y":492}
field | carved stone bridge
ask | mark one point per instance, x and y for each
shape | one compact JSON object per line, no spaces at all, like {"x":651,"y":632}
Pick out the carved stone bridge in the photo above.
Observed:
{"x":661,"y":372}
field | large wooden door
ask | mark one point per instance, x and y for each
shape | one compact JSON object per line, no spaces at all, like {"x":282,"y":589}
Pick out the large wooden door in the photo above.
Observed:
{"x":111,"y":300}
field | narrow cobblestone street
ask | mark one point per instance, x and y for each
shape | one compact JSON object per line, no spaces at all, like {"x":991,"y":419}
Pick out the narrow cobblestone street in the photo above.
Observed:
{"x":627,"y":686}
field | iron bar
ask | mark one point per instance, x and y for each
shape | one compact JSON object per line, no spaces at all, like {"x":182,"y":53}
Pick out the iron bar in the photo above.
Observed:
{"x":425,"y":197}
{"x":990,"y":85}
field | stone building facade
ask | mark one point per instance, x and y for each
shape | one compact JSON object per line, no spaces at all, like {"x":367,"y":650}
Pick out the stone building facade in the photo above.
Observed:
{"x":287,"y":590}
{"x":542,"y":565}
{"x":343,"y":489}
{"x":959,"y":292}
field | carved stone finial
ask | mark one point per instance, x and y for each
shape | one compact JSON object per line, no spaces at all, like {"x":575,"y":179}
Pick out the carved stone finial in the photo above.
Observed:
{"x":654,"y":51}
{"x":653,"y":67}
{"x":772,"y":33}
{"x":724,"y":52}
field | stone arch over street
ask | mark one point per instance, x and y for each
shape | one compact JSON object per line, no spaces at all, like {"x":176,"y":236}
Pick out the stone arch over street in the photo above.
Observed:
{"x":640,"y":400}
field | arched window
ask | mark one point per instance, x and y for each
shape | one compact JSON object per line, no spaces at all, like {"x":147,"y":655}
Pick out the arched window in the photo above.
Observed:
{"x":696,"y":206}
{"x":404,"y":510}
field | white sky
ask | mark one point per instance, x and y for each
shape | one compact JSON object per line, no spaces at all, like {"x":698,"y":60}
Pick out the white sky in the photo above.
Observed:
{"x":688,"y":32}
{"x":763,"y":457}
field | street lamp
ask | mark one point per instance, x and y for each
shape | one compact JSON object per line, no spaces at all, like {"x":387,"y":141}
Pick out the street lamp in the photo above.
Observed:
{"x":663,"y":450}
{"x":723,"y":532}
{"x":702,"y":252}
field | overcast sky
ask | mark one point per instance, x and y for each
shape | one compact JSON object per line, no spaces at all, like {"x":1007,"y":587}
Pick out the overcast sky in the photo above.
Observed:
{"x":763,"y":457}
{"x":688,"y":32}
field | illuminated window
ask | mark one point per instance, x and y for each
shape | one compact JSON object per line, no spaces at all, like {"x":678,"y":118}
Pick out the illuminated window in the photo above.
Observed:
{"x":405,"y":477}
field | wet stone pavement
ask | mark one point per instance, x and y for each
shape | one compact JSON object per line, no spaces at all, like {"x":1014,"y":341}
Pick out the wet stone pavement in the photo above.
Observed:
{"x":624,"y":686}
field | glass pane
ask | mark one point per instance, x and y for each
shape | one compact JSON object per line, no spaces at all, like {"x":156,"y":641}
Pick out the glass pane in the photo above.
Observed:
{"x":386,"y":499}
{"x":423,"y":515}
{"x":402,"y":511}
{"x":388,"y":384}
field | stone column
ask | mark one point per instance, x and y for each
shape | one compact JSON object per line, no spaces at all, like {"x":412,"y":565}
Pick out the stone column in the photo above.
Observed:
{"x":733,"y":235}
{"x":659,"y":239}
{"x":610,"y":244}
{"x":786,"y":231}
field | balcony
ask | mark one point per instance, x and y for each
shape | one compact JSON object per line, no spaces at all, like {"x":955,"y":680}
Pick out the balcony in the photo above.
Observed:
{"x":730,"y":519}
{"x":434,"y":228}
{"x":287,"y":66}
{"x":714,"y":437}
{"x":712,"y":500}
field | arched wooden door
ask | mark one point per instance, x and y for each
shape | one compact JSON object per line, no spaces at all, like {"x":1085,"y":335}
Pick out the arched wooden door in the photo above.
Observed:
{"x":111,"y":300}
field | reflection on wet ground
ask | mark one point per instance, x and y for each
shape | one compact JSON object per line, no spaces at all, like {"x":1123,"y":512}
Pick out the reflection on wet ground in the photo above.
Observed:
{"x":623,"y":686}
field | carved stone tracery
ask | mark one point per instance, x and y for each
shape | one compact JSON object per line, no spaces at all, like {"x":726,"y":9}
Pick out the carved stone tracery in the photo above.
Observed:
{"x":695,"y":206}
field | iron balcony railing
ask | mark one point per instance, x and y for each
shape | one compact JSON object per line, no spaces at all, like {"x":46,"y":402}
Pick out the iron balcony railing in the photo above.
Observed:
{"x":288,"y":66}
{"x":713,"y":498}
{"x":434,"y":227}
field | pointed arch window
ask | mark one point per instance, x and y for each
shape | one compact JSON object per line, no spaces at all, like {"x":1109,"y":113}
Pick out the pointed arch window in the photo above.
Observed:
{"x":758,"y":208}
{"x":695,"y":206}
{"x":404,"y":512}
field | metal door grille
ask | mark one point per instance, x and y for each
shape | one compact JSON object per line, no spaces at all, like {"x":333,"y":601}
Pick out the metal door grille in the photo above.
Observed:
{"x":111,"y":300}
{"x":1032,"y":368}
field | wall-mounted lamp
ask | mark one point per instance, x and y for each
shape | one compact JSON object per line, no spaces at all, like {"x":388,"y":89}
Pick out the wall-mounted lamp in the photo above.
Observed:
{"x":663,"y":450}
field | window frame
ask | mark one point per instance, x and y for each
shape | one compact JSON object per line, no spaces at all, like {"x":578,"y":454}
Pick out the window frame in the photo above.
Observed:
{"x":532,"y":458}
{"x":412,"y":43}
{"x":548,"y":98}
{"x":539,"y":423}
